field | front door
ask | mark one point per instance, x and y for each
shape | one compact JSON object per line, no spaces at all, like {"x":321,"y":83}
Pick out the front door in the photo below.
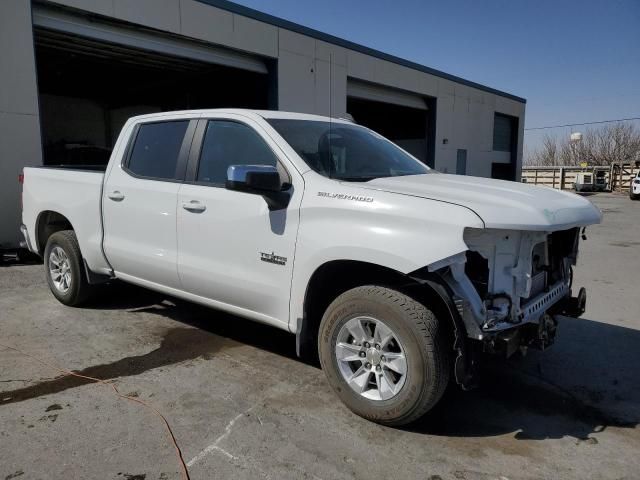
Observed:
{"x":231,"y":248}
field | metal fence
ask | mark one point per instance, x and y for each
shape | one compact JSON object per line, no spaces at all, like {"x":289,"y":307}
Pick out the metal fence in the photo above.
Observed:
{"x":617,"y":176}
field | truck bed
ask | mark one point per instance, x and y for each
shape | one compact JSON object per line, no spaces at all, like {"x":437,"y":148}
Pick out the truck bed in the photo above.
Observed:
{"x":80,"y":168}
{"x":75,"y":193}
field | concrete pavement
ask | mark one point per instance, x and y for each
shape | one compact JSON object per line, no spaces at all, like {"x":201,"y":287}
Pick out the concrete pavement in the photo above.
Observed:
{"x":243,"y":406}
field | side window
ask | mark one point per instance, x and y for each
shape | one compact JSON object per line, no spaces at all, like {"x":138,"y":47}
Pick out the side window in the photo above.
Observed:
{"x":230,"y":143}
{"x":156,"y":149}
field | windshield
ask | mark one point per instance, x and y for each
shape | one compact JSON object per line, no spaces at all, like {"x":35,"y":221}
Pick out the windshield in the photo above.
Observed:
{"x":346,"y":152}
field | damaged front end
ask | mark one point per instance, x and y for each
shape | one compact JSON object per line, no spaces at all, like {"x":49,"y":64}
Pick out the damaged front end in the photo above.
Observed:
{"x":511,"y":285}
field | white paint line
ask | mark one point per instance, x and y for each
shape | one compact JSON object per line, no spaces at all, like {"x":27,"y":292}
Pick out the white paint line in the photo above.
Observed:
{"x":214,"y":445}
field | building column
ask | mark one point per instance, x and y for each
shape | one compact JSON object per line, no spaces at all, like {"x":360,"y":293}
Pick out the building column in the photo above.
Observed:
{"x":312,"y":76}
{"x":20,"y":143}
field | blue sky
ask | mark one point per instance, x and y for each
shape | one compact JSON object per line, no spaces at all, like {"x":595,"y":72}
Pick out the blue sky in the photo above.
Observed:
{"x":574,"y":61}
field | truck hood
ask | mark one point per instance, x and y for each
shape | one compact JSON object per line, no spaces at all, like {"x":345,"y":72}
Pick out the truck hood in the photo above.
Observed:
{"x":499,"y":203}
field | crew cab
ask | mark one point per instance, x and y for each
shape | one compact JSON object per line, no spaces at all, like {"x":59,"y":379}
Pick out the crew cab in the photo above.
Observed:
{"x":394,"y":275}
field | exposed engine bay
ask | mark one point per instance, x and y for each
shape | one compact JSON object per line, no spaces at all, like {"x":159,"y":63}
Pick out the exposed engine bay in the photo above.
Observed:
{"x":510,"y":285}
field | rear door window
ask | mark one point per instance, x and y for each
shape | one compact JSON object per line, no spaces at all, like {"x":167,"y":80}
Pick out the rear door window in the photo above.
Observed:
{"x":156,"y":149}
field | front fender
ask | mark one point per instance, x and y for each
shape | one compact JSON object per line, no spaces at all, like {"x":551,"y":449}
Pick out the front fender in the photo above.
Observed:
{"x":399,"y":232}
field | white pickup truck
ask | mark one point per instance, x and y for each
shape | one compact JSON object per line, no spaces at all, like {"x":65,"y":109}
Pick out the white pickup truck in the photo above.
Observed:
{"x":396,"y":276}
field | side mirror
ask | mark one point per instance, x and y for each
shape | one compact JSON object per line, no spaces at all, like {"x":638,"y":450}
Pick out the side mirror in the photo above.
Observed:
{"x":259,"y":180}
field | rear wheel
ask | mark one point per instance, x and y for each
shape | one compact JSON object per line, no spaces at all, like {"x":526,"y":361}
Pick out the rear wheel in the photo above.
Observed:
{"x":65,"y":270}
{"x":384,"y":354}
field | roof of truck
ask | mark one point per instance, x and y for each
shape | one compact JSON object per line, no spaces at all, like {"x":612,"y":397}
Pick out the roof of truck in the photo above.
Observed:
{"x":237,"y":111}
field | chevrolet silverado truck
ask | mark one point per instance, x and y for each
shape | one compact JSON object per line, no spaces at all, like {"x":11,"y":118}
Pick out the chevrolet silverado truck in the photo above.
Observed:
{"x":397,"y":277}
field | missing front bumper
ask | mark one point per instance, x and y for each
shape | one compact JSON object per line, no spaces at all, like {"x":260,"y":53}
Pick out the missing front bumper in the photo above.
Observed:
{"x":532,"y":311}
{"x":540,"y":335}
{"x":572,"y":306}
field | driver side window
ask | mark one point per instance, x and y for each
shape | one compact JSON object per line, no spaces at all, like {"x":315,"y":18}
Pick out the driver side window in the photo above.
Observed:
{"x":229,"y":143}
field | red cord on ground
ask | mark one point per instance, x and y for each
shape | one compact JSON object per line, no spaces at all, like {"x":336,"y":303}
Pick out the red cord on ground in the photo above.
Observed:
{"x":185,"y":471}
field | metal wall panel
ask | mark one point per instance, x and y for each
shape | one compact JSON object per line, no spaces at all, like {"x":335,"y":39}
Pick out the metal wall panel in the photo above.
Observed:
{"x":161,"y":14}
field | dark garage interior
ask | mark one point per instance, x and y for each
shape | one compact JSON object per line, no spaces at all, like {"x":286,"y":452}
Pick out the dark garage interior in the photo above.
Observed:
{"x":505,"y":139}
{"x":88,"y":89}
{"x":411,"y":128}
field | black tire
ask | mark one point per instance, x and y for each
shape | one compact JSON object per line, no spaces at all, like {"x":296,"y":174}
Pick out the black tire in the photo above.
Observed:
{"x":78,"y":290}
{"x":633,"y":197}
{"x":424,"y":341}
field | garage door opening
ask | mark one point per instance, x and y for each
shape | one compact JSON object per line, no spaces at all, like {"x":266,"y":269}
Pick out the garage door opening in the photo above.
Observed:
{"x":505,"y":144}
{"x":88,"y":89}
{"x":409,"y":121}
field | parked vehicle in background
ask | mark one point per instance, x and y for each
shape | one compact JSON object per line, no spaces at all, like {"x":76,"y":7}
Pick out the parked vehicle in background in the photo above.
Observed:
{"x":600,"y":180}
{"x":396,"y":276}
{"x":634,"y":188}
{"x":584,"y":182}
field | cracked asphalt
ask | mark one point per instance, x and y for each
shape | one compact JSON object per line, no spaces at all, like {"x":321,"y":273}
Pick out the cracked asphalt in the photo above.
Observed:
{"x":243,"y":406}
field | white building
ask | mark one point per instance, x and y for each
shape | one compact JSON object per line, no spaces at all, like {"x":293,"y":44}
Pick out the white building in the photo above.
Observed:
{"x":74,"y":70}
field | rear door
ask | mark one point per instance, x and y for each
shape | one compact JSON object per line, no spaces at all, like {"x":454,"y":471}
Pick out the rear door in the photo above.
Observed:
{"x":139,"y":202}
{"x":232,"y":249}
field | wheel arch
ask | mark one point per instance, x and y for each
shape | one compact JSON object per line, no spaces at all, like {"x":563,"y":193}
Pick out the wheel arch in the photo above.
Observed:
{"x":337,"y":276}
{"x":48,"y":223}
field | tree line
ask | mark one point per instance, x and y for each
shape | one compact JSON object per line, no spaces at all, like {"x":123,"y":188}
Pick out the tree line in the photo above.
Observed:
{"x":615,"y":143}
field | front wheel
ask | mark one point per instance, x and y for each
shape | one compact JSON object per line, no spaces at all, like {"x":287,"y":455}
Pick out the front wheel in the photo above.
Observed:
{"x":64,"y":268}
{"x":384,"y":354}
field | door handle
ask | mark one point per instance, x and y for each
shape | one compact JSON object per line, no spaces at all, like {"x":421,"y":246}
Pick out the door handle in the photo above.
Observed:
{"x":116,"y":196}
{"x":194,"y":206}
